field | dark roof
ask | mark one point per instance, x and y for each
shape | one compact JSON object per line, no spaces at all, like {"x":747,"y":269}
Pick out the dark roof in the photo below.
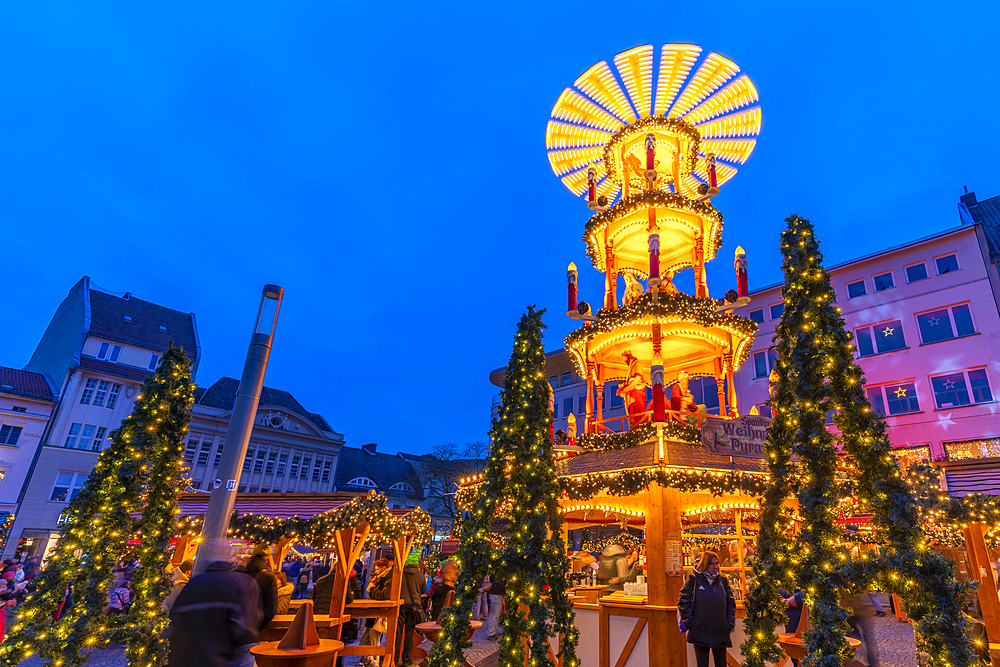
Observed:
{"x":222,"y":395}
{"x":24,"y":383}
{"x":641,"y":456}
{"x":120,"y":370}
{"x":383,"y":469}
{"x":107,"y":320}
{"x":987,"y":213}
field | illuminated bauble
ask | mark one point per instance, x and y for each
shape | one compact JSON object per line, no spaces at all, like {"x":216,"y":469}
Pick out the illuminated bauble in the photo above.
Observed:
{"x":583,"y":307}
{"x":602,"y":201}
{"x":731,"y":296}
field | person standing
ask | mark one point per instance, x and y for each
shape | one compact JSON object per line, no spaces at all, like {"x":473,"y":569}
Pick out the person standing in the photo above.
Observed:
{"x":285,"y":589}
{"x":497,"y":590}
{"x":439,"y":600}
{"x":215,"y":620}
{"x":258,"y":567}
{"x":180,"y":576}
{"x":706,"y":610}
{"x":793,"y":611}
{"x":410,"y":613}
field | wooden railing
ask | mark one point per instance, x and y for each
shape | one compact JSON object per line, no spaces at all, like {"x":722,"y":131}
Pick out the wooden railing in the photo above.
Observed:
{"x":672,"y":415}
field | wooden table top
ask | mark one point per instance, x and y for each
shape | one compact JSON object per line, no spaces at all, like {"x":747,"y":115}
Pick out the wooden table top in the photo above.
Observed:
{"x":790,"y":638}
{"x":431,"y":626}
{"x":271,"y":649}
{"x":321,"y":620}
{"x":373,"y":604}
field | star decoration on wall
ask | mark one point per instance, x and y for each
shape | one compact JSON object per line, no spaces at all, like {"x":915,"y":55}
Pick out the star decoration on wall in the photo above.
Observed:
{"x":949,"y":384}
{"x":888,"y":331}
{"x":900,"y":392}
{"x":934,"y":321}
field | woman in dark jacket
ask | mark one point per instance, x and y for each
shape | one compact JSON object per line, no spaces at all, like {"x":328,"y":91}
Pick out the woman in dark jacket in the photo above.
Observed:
{"x":706,"y":610}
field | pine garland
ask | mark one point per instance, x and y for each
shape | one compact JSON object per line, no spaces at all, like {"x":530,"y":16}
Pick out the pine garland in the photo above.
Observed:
{"x":139,"y":471}
{"x":533,"y":561}
{"x":816,"y":373}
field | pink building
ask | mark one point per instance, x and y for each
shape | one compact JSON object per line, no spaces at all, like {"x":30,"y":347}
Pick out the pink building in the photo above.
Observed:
{"x":926,"y":325}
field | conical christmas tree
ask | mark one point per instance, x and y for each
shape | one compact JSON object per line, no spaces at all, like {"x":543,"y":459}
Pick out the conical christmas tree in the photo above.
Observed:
{"x":139,"y":472}
{"x":816,"y":374}
{"x":520,"y":481}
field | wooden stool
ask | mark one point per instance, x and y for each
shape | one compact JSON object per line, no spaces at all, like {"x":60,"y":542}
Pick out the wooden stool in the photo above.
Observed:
{"x":432,"y":631}
{"x":794,"y":646}
{"x":300,"y":647}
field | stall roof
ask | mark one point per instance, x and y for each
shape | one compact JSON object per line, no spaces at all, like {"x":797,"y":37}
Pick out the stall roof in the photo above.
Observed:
{"x":277,"y":505}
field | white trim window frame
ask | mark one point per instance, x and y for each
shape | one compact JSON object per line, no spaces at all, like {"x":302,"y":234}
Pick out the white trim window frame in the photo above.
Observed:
{"x":960,"y":389}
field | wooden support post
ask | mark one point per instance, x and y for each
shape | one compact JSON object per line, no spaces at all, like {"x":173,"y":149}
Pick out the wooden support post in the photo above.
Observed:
{"x":588,"y":423}
{"x":989,"y":599}
{"x":181,"y":548}
{"x":611,"y":278}
{"x":733,"y":409}
{"x":663,"y":521}
{"x":626,"y":176}
{"x":598,"y":397}
{"x":720,"y":383}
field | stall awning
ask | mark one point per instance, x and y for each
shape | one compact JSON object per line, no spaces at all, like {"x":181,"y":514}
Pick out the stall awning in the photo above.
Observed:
{"x":277,"y":505}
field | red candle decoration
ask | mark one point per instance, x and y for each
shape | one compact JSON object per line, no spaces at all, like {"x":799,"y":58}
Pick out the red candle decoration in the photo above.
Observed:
{"x":659,"y":398}
{"x":654,"y":257}
{"x":591,"y":184}
{"x":741,"y":272}
{"x":571,"y":275}
{"x":713,"y":181}
{"x":650,"y":157}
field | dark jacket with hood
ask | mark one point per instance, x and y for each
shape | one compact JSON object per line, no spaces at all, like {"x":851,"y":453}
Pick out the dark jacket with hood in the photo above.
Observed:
{"x":413,"y":585}
{"x":216,"y":613}
{"x":258,"y":567}
{"x":708,"y":610}
{"x":323,"y":593}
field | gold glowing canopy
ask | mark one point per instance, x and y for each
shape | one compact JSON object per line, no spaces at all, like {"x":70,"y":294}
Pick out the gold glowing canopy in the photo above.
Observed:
{"x":712,"y":110}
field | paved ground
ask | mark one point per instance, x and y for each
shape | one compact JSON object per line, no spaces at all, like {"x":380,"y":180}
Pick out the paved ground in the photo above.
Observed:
{"x":894,"y":642}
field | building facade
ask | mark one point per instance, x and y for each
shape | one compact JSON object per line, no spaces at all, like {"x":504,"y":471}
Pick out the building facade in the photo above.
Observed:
{"x":367,"y":469}
{"x":926,"y":326}
{"x":290,"y":450}
{"x":98,"y":349}
{"x":26,"y":403}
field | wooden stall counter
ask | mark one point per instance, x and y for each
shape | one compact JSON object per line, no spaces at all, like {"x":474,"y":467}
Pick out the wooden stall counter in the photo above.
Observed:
{"x":323,"y":654}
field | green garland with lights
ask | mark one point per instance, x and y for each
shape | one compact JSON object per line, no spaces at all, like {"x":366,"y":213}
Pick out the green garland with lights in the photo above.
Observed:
{"x":533,"y":562}
{"x":679,"y":305}
{"x":139,"y":472}
{"x":640,"y":435}
{"x":626,"y":541}
{"x":318,"y":530}
{"x":816,"y":373}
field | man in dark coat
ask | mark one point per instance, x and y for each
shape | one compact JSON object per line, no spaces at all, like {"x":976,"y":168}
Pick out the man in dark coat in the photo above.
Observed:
{"x":216,"y":618}
{"x":323,"y":593}
{"x":707,"y":611}
{"x":259,"y":568}
{"x":410,"y":612}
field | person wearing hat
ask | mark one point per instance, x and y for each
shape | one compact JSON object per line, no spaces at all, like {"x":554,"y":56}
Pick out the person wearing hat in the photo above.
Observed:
{"x":259,"y":567}
{"x":410,"y":611}
{"x":613,"y":565}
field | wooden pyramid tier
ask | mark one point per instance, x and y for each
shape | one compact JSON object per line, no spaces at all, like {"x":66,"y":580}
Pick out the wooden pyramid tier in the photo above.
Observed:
{"x":688,"y":229}
{"x":695,"y":338}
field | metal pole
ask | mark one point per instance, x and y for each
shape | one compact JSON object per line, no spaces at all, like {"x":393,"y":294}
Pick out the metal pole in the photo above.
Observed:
{"x":220,"y":505}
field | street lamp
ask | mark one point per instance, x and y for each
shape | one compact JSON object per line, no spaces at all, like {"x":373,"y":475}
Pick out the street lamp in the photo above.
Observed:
{"x":220,"y":504}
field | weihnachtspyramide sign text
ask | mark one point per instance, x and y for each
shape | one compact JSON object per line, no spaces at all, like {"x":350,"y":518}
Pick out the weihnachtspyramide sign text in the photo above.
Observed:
{"x":744,"y":436}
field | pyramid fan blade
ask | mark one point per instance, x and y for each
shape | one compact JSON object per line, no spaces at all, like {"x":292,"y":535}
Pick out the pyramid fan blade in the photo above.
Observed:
{"x":601,"y":86}
{"x":676,"y":61}
{"x":745,"y":123}
{"x":736,"y":151}
{"x":571,"y":159}
{"x":713,"y":73}
{"x":564,"y":135}
{"x":636,"y":69}
{"x":735,"y":95}
{"x":574,"y":107}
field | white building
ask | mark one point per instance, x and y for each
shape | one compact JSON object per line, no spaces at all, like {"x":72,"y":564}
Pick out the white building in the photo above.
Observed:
{"x":290,"y":450}
{"x":97,"y":350}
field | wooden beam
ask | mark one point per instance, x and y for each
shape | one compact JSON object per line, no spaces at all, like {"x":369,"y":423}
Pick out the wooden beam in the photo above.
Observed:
{"x":640,"y":623}
{"x":989,"y":599}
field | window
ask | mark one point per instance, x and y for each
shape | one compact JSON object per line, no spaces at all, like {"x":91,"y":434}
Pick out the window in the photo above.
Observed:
{"x":965,"y":388}
{"x":272,"y":458}
{"x":555,"y":410}
{"x":327,"y":465}
{"x":153,"y":360}
{"x":102,"y":392}
{"x":304,"y":471}
{"x":894,"y":399}
{"x":909,"y":455}
{"x":777,"y":310}
{"x":885,"y":337}
{"x":218,"y":455}
{"x":88,"y":392}
{"x":554,"y":381}
{"x":113,"y":394}
{"x":67,"y":485}
{"x":18,"y":408}
{"x":293,"y":471}
{"x":916,"y":273}
{"x":567,"y":378}
{"x":316,"y":472}
{"x":763,"y":362}
{"x":757,"y":315}
{"x":71,"y":437}
{"x":248,"y":460}
{"x":116,"y":353}
{"x":363,"y":481}
{"x":192,"y":447}
{"x":567,"y":406}
{"x":265,"y":490}
{"x":401,"y":486}
{"x":883,"y":281}
{"x":705,"y":391}
{"x":243,"y":489}
{"x":611,"y":398}
{"x":86,"y":436}
{"x":946,"y":324}
{"x":206,"y":448}
{"x":99,"y":439}
{"x":856,"y":289}
{"x":282,"y":460}
{"x":947,"y":264}
{"x":254,"y":489}
{"x":102,"y":351}
{"x":581,"y":402}
{"x":972,"y":449}
{"x":258,"y":465}
{"x":9,"y":435}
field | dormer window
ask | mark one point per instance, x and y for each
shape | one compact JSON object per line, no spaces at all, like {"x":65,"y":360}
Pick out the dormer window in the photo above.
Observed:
{"x":128,"y":318}
{"x":401,"y":486}
{"x":363,"y":481}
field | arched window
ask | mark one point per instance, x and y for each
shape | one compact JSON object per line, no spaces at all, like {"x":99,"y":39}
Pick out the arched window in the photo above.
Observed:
{"x":363,"y":481}
{"x":401,"y":486}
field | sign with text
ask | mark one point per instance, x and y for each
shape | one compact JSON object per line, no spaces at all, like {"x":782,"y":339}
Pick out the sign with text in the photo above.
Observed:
{"x":450,"y":546}
{"x":744,"y":436}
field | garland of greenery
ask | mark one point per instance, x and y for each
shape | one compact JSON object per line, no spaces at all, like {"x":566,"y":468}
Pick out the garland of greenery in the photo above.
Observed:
{"x":533,"y":563}
{"x":678,"y":125}
{"x":640,"y":201}
{"x":625,"y":540}
{"x":318,"y":530}
{"x":639,"y":435}
{"x":817,"y":373}
{"x":677,"y":306}
{"x":138,"y":472}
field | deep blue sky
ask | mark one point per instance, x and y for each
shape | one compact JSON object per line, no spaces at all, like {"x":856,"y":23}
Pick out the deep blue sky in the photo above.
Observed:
{"x":385,"y":163}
